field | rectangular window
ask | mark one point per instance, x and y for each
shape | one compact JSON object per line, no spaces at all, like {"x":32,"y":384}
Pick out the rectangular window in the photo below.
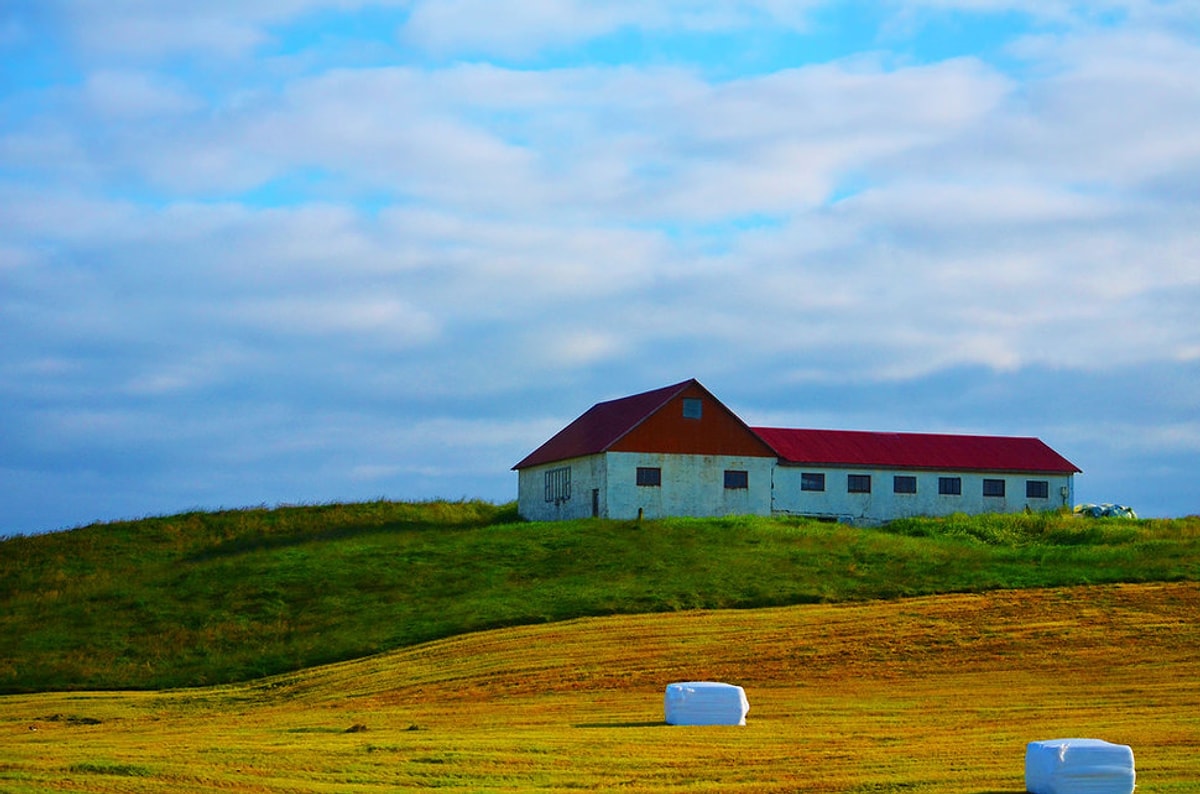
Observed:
{"x":558,"y":485}
{"x":737,"y":479}
{"x":993,"y":487}
{"x":858,"y":483}
{"x":950,"y":486}
{"x":904,"y":483}
{"x":649,"y":476}
{"x":693,"y":408}
{"x":812,"y":481}
{"x":1037,"y":489}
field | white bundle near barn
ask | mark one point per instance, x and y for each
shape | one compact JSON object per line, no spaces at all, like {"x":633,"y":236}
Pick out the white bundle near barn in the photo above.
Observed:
{"x":1078,"y":766}
{"x":705,"y":703}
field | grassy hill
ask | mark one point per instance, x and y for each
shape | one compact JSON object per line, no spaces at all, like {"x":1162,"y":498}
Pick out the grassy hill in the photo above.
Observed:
{"x":932,"y":695}
{"x":205,"y":598}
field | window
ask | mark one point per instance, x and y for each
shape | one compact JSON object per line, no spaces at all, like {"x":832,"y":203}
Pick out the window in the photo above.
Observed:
{"x":993,"y":487}
{"x":904,"y":483}
{"x":812,"y":481}
{"x":693,"y":408}
{"x":1037,"y":489}
{"x":737,"y":479}
{"x":558,"y":485}
{"x":858,"y":483}
{"x":649,"y":476}
{"x":950,"y":486}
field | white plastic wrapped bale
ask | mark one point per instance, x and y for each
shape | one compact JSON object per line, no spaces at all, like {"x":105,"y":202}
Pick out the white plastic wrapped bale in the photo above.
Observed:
{"x":705,"y":703}
{"x":1078,"y":766}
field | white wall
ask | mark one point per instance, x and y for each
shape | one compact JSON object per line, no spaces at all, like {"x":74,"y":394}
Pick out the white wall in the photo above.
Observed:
{"x":692,"y":485}
{"x":587,"y":473}
{"x":882,"y":504}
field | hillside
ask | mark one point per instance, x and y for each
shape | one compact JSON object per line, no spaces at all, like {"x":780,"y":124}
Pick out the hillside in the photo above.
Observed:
{"x":204,"y":598}
{"x":936,"y":695}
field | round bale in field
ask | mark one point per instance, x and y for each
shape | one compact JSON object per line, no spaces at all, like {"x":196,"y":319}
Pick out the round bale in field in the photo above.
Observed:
{"x":1078,"y":766}
{"x":705,"y":703}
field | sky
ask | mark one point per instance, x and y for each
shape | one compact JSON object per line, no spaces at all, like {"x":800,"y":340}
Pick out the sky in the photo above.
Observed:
{"x":264,"y":252}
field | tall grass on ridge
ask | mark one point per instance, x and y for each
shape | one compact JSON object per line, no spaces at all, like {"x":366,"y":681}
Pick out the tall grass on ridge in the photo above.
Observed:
{"x":203,"y":598}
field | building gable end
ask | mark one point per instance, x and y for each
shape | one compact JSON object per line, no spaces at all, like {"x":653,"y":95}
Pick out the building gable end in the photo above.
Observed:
{"x":693,"y":422}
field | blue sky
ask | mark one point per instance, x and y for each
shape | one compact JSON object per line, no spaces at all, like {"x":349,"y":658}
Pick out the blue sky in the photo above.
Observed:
{"x":301,"y":251}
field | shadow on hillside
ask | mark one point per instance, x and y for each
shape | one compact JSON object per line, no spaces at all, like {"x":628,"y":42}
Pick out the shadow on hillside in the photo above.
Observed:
{"x":251,"y":543}
{"x":653,"y":724}
{"x":267,"y":542}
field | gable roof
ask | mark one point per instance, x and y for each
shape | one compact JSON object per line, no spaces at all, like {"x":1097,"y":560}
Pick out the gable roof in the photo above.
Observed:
{"x":610,"y":425}
{"x":602,"y":425}
{"x":637,"y":423}
{"x":914,"y":450}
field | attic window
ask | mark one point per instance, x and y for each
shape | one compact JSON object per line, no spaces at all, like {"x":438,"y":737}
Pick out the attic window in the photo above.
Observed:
{"x":693,"y":408}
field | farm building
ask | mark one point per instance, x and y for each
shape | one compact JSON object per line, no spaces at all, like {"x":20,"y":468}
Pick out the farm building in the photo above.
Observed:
{"x":678,"y":451}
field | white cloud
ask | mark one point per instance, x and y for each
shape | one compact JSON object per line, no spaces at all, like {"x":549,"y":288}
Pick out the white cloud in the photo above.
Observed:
{"x":578,"y":348}
{"x":587,"y":140}
{"x":202,"y":369}
{"x":149,"y":29}
{"x":136,"y":95}
{"x":507,"y":28}
{"x":385,"y":321}
{"x":520,"y":28}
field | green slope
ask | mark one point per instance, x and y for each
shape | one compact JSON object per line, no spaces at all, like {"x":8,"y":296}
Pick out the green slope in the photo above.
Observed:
{"x":213,"y":597}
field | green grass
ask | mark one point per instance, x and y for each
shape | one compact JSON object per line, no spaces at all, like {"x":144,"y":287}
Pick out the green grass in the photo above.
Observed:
{"x":206,"y":598}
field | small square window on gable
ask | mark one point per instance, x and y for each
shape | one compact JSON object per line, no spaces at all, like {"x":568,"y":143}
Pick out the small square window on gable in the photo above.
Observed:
{"x":693,"y":408}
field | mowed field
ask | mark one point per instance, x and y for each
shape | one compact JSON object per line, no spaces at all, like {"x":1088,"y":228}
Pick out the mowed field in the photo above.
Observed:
{"x":934,"y":694}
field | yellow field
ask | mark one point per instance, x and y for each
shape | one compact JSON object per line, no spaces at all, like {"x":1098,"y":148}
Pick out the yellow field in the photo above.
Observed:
{"x":924,"y":695}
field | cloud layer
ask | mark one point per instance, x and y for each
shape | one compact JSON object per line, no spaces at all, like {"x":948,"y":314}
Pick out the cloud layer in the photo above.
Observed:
{"x":309,"y":250}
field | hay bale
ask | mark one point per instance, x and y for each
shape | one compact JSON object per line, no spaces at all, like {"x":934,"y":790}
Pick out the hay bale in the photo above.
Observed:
{"x":705,"y":703}
{"x":1078,"y":766}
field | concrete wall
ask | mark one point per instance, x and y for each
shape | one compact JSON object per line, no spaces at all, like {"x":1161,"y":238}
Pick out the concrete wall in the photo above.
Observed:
{"x":587,"y":474}
{"x":692,"y":485}
{"x":883,"y":504}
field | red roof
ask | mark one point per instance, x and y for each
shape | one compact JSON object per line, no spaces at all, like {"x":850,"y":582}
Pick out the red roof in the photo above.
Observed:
{"x":913,"y":450}
{"x":602,"y":425}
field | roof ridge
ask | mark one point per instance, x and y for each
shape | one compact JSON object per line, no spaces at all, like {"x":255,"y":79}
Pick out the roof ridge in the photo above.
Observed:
{"x":887,"y":432}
